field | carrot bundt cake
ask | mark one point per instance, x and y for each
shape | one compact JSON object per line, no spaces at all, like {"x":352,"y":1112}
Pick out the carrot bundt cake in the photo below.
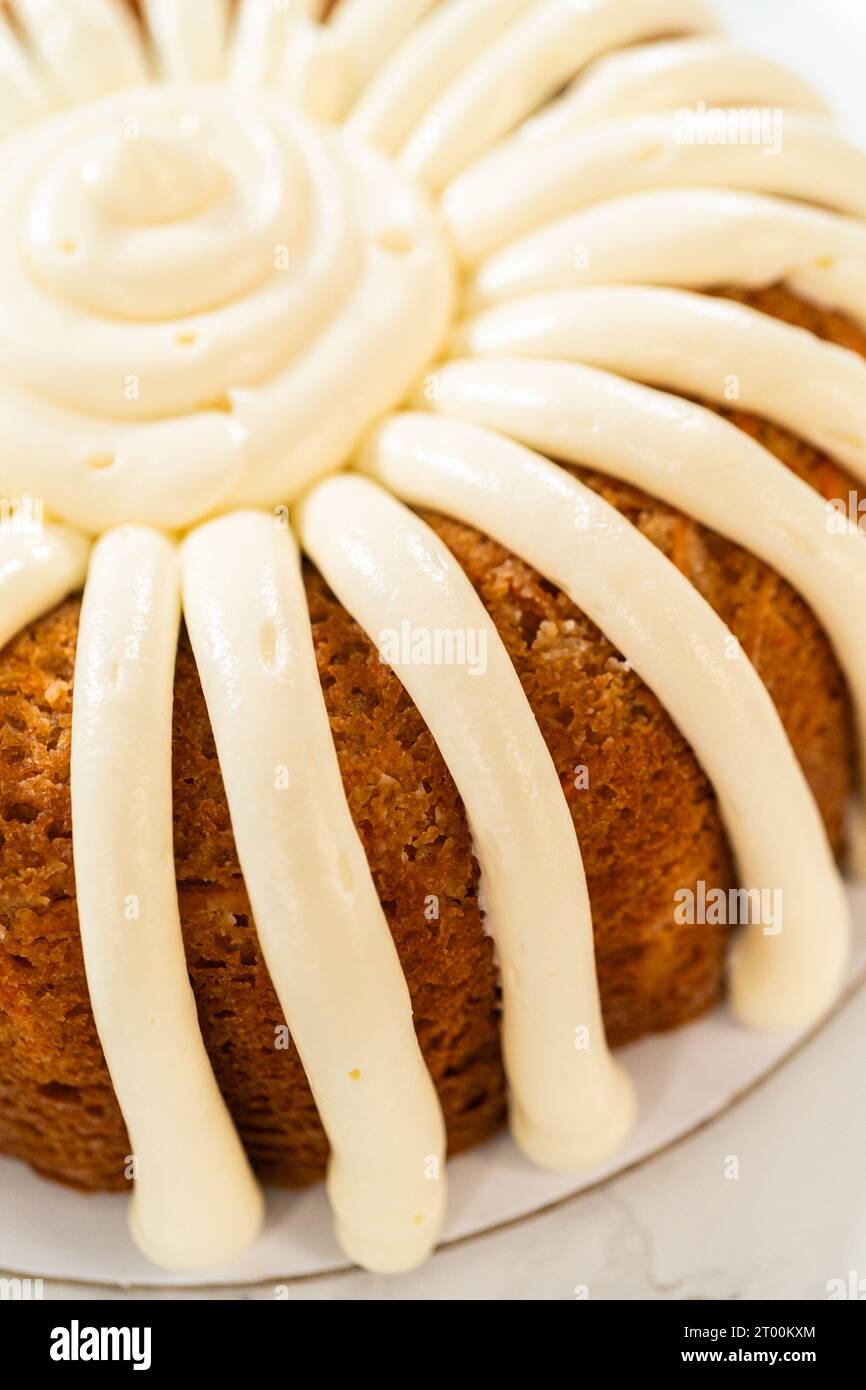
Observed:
{"x":432,"y":571}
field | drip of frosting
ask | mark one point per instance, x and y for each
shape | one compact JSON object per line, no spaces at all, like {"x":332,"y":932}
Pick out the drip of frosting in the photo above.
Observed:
{"x":692,"y":459}
{"x":571,"y":1103}
{"x":370,"y":30}
{"x":696,"y":238}
{"x":195,"y":1202}
{"x":319,"y":921}
{"x":714,"y":71}
{"x":524,"y":183}
{"x":190,"y":40}
{"x":246,"y":294}
{"x":527,"y":64}
{"x":677,"y":644}
{"x":39,"y":567}
{"x":696,"y":345}
{"x":89,"y":47}
{"x":316,"y":70}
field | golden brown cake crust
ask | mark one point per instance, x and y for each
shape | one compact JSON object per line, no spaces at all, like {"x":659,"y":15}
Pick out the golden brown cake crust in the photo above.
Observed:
{"x":647,"y":824}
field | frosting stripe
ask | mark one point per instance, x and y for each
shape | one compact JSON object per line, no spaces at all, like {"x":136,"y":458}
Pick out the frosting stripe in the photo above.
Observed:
{"x":369,"y":30}
{"x":696,"y":345}
{"x":259,"y":36}
{"x":696,"y":238}
{"x":526,"y":183}
{"x":692,"y":459}
{"x":661,"y":76}
{"x":570,"y":1105}
{"x":38,"y":569}
{"x":432,"y":55}
{"x":322,"y":930}
{"x":520,"y":70}
{"x":195,"y":1202}
{"x":677,"y":644}
{"x":190,"y":39}
{"x":316,"y":70}
{"x":89,"y":47}
{"x":24,"y":96}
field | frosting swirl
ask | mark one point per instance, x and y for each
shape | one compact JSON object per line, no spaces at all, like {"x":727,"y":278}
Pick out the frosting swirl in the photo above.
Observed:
{"x":245,"y":295}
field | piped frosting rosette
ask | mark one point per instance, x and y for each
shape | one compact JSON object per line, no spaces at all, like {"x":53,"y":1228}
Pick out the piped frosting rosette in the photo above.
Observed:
{"x":205,"y":300}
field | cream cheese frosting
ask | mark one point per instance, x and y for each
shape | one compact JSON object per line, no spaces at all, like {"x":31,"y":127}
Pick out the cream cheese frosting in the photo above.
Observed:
{"x":674,"y":74}
{"x":522,"y":184}
{"x":694,"y":238}
{"x":190,"y":40}
{"x":262,"y":32}
{"x":675,"y":641}
{"x":713,"y":348}
{"x":225,"y":261}
{"x":689,"y":457}
{"x":24,"y":93}
{"x":322,"y":930}
{"x":224,"y":268}
{"x":370,"y":30}
{"x":524,"y":66}
{"x":195,"y":1200}
{"x":397,"y":98}
{"x":88,"y":47}
{"x":570,"y":1105}
{"x":38,"y":568}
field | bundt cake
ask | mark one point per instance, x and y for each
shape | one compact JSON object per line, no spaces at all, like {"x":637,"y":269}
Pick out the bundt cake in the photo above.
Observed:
{"x":432,"y":557}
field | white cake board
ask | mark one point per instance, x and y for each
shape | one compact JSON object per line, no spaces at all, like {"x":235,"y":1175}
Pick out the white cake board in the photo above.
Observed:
{"x":683,"y":1080}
